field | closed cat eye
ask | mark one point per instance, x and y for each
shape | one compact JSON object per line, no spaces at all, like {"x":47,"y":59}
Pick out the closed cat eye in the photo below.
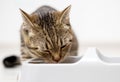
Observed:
{"x":48,"y":51}
{"x":63,"y":46}
{"x":68,"y":24}
{"x":34,"y":48}
{"x":66,"y":45}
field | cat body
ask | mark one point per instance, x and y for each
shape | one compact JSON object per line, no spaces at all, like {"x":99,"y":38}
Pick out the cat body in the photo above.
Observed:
{"x":47,"y":34}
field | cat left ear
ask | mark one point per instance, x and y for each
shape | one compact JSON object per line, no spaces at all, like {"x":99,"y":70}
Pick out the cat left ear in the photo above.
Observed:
{"x":27,"y":18}
{"x":65,"y":14}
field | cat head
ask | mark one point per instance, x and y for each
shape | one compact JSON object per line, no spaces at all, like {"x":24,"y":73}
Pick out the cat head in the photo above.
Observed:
{"x":49,"y":35}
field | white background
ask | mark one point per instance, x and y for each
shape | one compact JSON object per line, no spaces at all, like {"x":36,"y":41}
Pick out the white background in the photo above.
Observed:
{"x":95,"y":22}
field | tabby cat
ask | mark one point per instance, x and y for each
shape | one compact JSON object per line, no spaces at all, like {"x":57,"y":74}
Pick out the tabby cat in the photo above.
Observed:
{"x":47,"y":34}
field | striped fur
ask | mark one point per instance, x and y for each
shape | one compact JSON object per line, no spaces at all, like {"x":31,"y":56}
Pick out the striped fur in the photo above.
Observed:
{"x":47,"y":34}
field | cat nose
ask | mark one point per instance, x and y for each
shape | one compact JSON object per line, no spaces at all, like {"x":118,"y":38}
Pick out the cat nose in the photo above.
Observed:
{"x":56,"y":57}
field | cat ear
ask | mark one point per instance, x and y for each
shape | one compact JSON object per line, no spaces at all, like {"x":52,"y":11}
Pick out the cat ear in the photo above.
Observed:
{"x":27,"y":18}
{"x":65,"y":14}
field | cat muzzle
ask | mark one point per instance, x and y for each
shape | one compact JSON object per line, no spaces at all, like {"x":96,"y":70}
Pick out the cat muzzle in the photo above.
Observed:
{"x":56,"y":57}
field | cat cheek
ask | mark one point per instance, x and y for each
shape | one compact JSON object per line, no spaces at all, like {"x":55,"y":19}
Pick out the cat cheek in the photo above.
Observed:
{"x":65,"y":51}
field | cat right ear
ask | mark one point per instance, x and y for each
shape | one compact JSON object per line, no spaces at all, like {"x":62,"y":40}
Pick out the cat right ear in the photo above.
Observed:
{"x":27,"y":18}
{"x":65,"y":14}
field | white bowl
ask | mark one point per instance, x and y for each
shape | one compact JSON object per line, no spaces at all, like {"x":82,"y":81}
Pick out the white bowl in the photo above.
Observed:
{"x":92,"y":67}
